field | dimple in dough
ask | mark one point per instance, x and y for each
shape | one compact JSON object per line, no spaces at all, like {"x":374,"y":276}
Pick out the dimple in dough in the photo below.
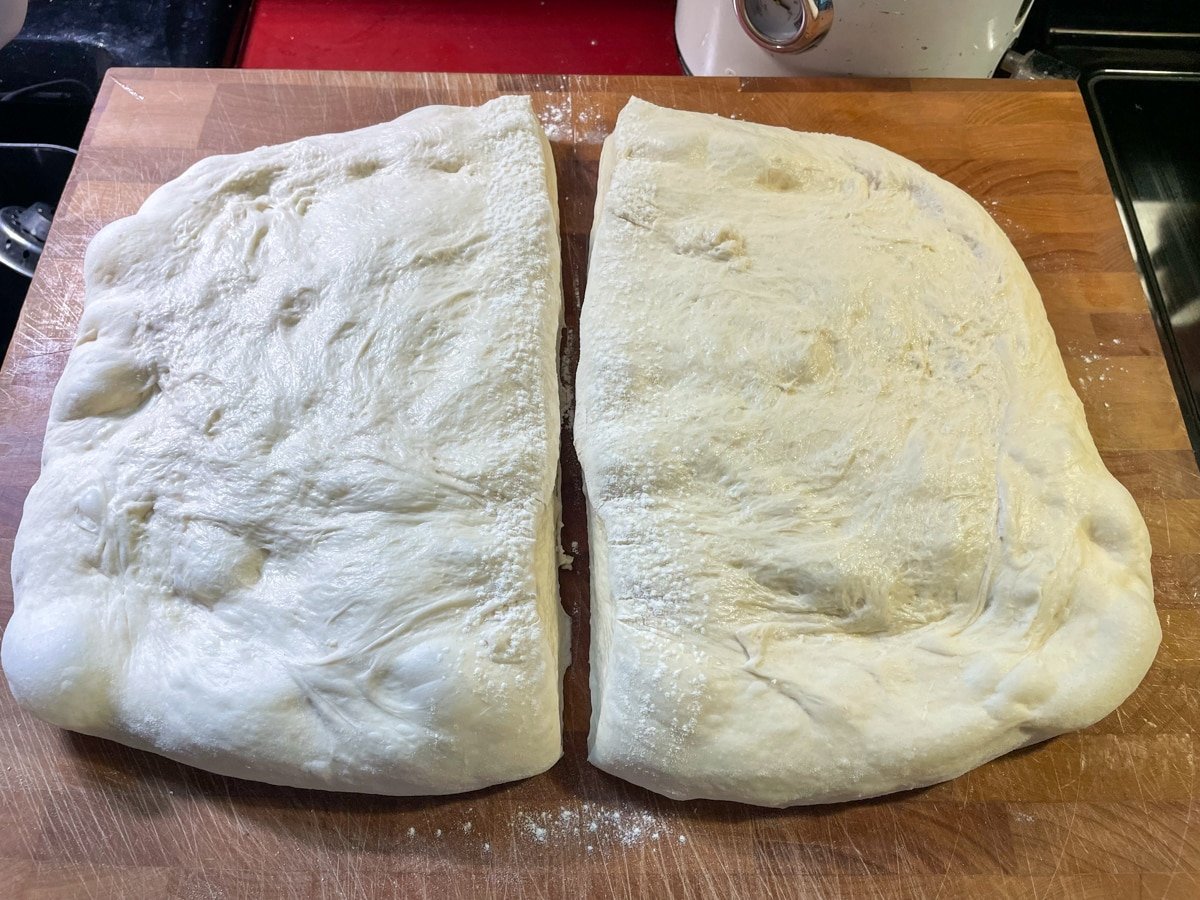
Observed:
{"x":296,"y":520}
{"x":849,"y":531}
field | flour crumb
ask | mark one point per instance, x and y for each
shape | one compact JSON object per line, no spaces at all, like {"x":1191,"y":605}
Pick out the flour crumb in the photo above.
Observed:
{"x":624,"y":827}
{"x":535,"y":826}
{"x":556,"y":120}
{"x":683,"y":839}
{"x":467,"y":827}
{"x":412,"y":832}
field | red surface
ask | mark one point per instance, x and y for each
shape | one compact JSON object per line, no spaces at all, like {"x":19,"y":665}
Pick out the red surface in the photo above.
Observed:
{"x":634,"y":37}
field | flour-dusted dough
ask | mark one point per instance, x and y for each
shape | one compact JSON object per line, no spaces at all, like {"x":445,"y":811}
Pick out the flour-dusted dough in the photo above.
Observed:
{"x":849,"y":532}
{"x":296,"y":517}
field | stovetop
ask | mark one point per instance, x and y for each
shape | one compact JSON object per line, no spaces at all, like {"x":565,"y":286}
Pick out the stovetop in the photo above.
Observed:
{"x":1140,"y":78}
{"x":1149,"y":130}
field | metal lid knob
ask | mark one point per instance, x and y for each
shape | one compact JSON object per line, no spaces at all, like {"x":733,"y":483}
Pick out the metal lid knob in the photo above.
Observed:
{"x":23,"y":231}
{"x":785,"y":26}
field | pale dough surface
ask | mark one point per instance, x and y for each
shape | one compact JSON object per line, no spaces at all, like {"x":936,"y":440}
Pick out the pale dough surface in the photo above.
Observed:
{"x":296,"y":517}
{"x":849,"y":531}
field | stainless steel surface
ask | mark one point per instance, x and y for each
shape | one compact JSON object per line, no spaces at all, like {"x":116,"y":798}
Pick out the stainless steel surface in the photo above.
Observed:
{"x":1036,"y":65}
{"x":785,"y":26}
{"x":1149,"y":135}
{"x":24,"y":230}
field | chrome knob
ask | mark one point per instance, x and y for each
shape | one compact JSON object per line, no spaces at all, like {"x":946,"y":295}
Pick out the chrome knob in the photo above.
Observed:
{"x":785,"y":26}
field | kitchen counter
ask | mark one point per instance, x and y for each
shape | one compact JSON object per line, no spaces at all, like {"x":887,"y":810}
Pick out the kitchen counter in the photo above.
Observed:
{"x":1104,"y":812}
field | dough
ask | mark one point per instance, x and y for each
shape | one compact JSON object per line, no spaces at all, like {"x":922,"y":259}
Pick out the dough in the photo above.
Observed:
{"x":296,"y":519}
{"x":849,"y":532}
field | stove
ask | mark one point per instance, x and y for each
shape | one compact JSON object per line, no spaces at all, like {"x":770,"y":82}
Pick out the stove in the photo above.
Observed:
{"x":1139,"y":71}
{"x":49,"y":76}
{"x":1151,"y":144}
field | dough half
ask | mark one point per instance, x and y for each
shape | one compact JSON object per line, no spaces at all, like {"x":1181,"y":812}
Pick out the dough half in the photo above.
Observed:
{"x":296,"y":519}
{"x":849,"y":531}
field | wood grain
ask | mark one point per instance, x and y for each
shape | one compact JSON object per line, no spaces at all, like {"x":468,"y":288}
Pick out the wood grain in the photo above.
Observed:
{"x":1108,"y":812}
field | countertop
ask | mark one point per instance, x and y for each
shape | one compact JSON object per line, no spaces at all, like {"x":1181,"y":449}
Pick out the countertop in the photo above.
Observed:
{"x":1106,"y":812}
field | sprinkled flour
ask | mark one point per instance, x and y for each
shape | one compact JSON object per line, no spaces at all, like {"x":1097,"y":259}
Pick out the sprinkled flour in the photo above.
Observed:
{"x":627,"y":827}
{"x":556,"y":120}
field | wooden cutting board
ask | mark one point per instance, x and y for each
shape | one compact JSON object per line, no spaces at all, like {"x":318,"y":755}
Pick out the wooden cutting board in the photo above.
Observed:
{"x":1104,"y":813}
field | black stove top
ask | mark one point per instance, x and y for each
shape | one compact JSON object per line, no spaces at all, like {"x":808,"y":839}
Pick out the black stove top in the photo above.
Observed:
{"x":1149,"y":128}
{"x":1140,"y":77}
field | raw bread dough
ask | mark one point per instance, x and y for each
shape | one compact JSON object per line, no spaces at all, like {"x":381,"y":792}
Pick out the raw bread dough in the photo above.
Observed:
{"x":849,"y":532}
{"x":296,"y":517}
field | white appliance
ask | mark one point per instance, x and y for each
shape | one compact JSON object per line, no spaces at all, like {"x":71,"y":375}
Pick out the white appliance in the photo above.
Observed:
{"x":905,"y":38}
{"x":12,"y":17}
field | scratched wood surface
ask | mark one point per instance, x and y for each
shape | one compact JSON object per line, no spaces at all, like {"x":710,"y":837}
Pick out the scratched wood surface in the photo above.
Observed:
{"x":1107,"y":812}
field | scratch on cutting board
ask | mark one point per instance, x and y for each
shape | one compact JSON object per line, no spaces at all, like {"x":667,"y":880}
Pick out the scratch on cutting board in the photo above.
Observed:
{"x":127,"y":89}
{"x":1062,"y":850}
{"x":1182,"y":841}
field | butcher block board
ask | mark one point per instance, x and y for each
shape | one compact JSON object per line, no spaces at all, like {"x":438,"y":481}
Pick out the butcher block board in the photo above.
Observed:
{"x":1108,"y":812}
